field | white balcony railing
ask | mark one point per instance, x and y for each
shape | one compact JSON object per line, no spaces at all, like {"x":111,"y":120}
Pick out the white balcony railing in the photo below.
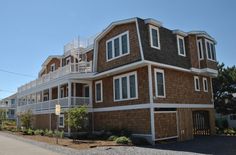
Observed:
{"x":47,"y":106}
{"x":81,"y":67}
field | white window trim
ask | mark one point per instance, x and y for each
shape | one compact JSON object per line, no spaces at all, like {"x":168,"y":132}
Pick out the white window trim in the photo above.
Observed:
{"x":84,"y":87}
{"x":195,"y":83}
{"x":181,"y":37}
{"x":61,"y":126}
{"x":151,"y":39}
{"x":98,"y":82}
{"x":200,"y":41}
{"x":128,"y":86}
{"x":120,"y":46}
{"x":164,"y":85}
{"x":68,"y":59}
{"x":53,"y":66}
{"x":203,"y":81}
{"x":214,"y":52}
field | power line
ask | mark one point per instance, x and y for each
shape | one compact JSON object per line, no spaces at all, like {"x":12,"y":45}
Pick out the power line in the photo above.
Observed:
{"x":15,"y":73}
{"x":2,"y":90}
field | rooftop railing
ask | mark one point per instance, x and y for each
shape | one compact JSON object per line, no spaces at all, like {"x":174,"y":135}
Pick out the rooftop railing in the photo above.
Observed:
{"x":81,"y":67}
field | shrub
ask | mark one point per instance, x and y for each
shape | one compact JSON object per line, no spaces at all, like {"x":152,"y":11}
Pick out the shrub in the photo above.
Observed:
{"x":112,"y":138}
{"x":30,"y":132}
{"x":122,"y":140}
{"x":26,"y":119}
{"x":39,"y":132}
{"x":48,"y":133}
{"x":59,"y":134}
{"x":139,"y":141}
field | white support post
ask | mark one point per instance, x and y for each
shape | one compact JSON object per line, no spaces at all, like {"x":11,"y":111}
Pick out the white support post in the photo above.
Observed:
{"x":50,"y":114}
{"x":69,"y":104}
{"x":151,"y":102}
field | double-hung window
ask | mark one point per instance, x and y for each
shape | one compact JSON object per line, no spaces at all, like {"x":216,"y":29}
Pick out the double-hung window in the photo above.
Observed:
{"x":200,"y":49}
{"x":154,"y":37}
{"x":53,"y":67}
{"x":181,"y":45}
{"x":98,"y":91}
{"x":61,"y":121}
{"x":159,"y":83}
{"x":210,"y":48}
{"x":205,"y":84}
{"x":125,"y":87}
{"x":117,"y":46}
{"x":196,"y":83}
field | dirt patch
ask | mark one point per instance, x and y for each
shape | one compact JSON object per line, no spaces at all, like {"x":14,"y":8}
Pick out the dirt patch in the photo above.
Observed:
{"x":66,"y":142}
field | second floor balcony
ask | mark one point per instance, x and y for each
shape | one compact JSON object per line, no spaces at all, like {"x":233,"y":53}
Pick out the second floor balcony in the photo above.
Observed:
{"x":79,"y":68}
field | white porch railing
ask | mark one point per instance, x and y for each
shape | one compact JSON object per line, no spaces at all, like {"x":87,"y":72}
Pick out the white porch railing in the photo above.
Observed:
{"x":46,"y":106}
{"x":81,"y":67}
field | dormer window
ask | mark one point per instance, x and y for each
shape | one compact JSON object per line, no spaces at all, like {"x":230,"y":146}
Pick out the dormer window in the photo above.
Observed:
{"x":117,"y":46}
{"x":53,"y":67}
{"x":154,"y":37}
{"x":200,"y":49}
{"x":181,"y":46}
{"x":67,"y":60}
{"x":210,"y":50}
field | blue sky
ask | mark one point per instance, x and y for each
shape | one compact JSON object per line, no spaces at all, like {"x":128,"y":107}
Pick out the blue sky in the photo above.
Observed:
{"x":32,"y":30}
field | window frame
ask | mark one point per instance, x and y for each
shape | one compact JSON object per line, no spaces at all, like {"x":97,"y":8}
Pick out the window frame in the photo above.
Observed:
{"x":178,"y":46}
{"x":200,"y":41}
{"x":119,"y":77}
{"x":112,"y":40}
{"x":59,"y":124}
{"x":195,"y":83}
{"x":164,"y":83}
{"x":98,"y":82}
{"x":158,"y":36}
{"x":205,"y":86}
{"x":53,"y":67}
{"x":214,"y":52}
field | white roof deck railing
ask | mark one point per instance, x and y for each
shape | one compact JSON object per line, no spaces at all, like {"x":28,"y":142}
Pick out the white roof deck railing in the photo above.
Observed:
{"x":81,"y":67}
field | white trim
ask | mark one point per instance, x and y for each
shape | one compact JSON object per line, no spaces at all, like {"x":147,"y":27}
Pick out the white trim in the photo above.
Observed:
{"x":178,"y":45}
{"x":180,"y":32}
{"x":61,"y":126}
{"x":153,"y":22}
{"x":155,"y":105}
{"x":182,"y":105}
{"x":158,"y":37}
{"x":119,"y":77}
{"x":53,"y":67}
{"x":165,"y":138}
{"x":195,"y":83}
{"x":112,"y":40}
{"x":143,"y":135}
{"x":167,"y":66}
{"x":152,"y":121}
{"x":211,"y":52}
{"x":98,"y":82}
{"x":164,"y":112}
{"x":205,"y":86}
{"x":139,"y":40}
{"x":156,"y":89}
{"x":200,"y":41}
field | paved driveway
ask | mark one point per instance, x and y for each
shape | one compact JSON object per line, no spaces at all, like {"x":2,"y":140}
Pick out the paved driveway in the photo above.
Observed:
{"x":10,"y":146}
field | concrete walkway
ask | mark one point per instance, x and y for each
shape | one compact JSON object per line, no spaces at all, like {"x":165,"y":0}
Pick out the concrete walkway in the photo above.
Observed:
{"x":10,"y":146}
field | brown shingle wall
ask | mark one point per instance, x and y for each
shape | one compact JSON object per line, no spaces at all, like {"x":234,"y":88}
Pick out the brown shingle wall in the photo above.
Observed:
{"x":57,"y":64}
{"x":143,"y":94}
{"x":180,"y":88}
{"x":137,"y":121}
{"x":165,"y":125}
{"x":191,"y":46}
{"x":168,"y":53}
{"x":134,"y":55}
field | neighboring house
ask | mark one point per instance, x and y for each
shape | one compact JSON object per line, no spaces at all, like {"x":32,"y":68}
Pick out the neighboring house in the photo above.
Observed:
{"x":9,"y":104}
{"x":137,"y":75}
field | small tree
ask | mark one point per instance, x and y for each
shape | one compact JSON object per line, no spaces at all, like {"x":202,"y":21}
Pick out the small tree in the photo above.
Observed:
{"x":2,"y":116}
{"x":26,"y":119}
{"x":77,"y":118}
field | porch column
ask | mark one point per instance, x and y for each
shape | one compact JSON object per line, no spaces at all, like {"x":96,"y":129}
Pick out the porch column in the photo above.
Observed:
{"x":69,"y":104}
{"x":50,"y":113}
